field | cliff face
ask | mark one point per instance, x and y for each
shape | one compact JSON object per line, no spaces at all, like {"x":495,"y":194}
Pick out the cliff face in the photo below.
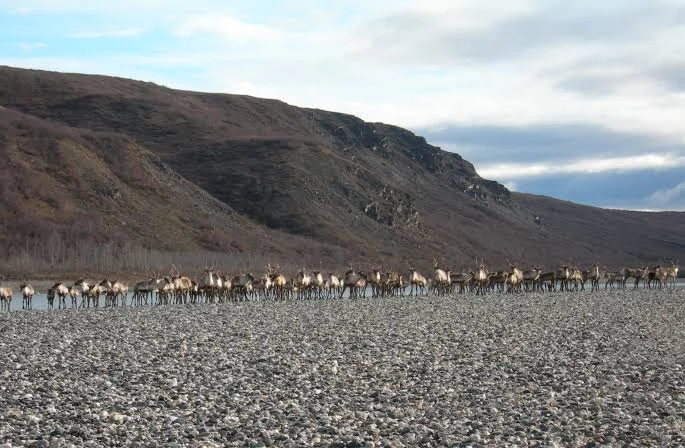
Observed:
{"x":370,"y":191}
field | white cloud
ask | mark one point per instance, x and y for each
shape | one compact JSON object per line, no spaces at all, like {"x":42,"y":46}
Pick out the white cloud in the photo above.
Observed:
{"x":511,"y":186}
{"x":108,"y":33}
{"x":31,"y":46}
{"x":226,"y":27}
{"x":420,"y":63}
{"x":621,"y":164}
{"x":669,"y":195}
{"x":92,"y":6}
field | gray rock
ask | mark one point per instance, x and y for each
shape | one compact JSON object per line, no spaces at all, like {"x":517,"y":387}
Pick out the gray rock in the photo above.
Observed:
{"x":530,"y":369}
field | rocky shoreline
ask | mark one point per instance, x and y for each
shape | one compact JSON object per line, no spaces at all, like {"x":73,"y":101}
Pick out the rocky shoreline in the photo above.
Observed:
{"x":561,"y":369}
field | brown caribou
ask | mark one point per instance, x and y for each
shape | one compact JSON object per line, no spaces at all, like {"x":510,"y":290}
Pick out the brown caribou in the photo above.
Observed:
{"x":182,"y":285}
{"x":27,"y":293}
{"x":375,"y":280}
{"x":637,"y":274}
{"x":672,"y":273}
{"x":417,"y":282}
{"x":61,"y":291}
{"x":480,"y":277}
{"x":5,"y":298}
{"x":441,"y":278}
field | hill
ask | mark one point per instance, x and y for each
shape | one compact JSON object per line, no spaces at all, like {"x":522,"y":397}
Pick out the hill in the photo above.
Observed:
{"x":308,"y":184}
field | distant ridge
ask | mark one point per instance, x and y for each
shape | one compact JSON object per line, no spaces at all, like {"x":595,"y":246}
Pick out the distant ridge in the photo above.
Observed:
{"x":102,"y":158}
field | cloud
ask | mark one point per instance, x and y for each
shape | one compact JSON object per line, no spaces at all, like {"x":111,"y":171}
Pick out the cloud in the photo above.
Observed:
{"x":621,"y":164}
{"x":511,"y":186}
{"x":446,"y":34}
{"x":557,"y":141}
{"x":629,"y":190}
{"x":669,"y":196}
{"x":531,"y":86}
{"x":226,"y":27}
{"x":98,"y":7}
{"x":31,"y":46}
{"x":109,"y":33}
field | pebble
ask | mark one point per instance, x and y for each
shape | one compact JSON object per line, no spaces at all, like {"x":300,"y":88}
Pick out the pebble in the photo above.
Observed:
{"x":434,"y":371}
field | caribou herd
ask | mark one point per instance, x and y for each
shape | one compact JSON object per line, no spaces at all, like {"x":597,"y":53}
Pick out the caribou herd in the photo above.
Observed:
{"x":214,"y":287}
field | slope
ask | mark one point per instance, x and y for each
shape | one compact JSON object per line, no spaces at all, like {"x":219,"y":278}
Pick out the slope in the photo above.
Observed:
{"x":377,"y":191}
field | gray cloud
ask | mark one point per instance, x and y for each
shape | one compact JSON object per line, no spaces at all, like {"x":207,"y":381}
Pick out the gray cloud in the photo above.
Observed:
{"x":492,"y":143}
{"x":412,"y":36}
{"x":562,"y":145}
{"x":592,"y":86}
{"x":637,"y":190}
{"x":669,"y":75}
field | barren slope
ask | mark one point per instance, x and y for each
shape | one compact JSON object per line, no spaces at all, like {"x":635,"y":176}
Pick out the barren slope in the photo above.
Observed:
{"x":78,"y":186}
{"x":376,"y":191}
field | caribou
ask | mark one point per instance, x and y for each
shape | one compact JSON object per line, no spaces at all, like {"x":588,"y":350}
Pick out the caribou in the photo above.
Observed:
{"x":74,"y":294}
{"x":279,"y":282}
{"x":272,"y":285}
{"x":392,"y":284}
{"x":548,"y":280}
{"x":655,"y":276}
{"x":317,"y":284}
{"x":145,"y":290}
{"x":27,"y":293}
{"x":514,"y":279}
{"x":5,"y":298}
{"x":417,"y":282}
{"x":461,"y":280}
{"x":351,"y":281}
{"x":375,"y":280}
{"x":182,"y":285}
{"x":614,"y":279}
{"x":672,"y":273}
{"x":480,"y":278}
{"x":207,"y":284}
{"x":637,"y":274}
{"x":61,"y":291}
{"x":334,"y":285}
{"x":593,"y":274}
{"x":530,"y":278}
{"x":302,"y":282}
{"x":243,"y":285}
{"x":441,"y":278}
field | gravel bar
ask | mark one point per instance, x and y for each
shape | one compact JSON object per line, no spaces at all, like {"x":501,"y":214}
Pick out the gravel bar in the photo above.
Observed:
{"x":557,"y":369}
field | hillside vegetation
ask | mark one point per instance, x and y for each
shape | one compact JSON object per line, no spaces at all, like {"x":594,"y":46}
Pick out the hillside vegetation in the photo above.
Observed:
{"x":98,"y":159}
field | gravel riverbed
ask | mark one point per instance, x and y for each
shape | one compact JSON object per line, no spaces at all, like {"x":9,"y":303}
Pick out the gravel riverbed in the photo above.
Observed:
{"x":556,"y":369}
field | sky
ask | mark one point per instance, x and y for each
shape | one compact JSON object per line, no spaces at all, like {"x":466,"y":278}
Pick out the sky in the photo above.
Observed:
{"x":582,"y":100}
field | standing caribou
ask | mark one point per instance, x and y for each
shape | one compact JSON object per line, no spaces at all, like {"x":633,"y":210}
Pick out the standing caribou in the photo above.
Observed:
{"x":279,"y":282}
{"x":593,"y":275}
{"x":672,"y":272}
{"x":441,"y":278}
{"x":61,"y":291}
{"x":273,"y":285}
{"x":5,"y":298}
{"x":480,"y":278}
{"x":417,"y":282}
{"x":375,"y":280}
{"x":27,"y":293}
{"x":352,"y":281}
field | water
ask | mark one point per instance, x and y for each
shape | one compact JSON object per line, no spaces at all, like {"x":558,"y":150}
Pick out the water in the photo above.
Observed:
{"x":40,"y":301}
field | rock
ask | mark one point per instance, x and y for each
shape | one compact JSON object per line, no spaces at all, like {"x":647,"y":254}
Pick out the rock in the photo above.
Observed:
{"x":526,"y":369}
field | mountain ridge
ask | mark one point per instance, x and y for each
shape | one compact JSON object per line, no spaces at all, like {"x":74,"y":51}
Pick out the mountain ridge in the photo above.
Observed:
{"x":369,"y":192}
